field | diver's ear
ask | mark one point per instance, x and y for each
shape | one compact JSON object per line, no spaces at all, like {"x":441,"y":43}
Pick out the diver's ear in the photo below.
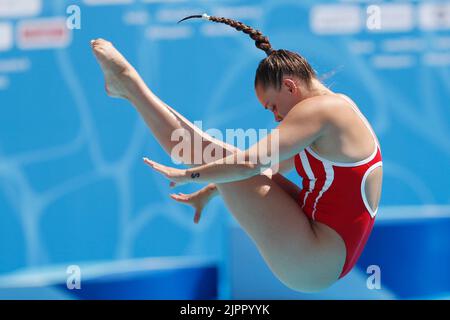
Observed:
{"x":290,"y":85}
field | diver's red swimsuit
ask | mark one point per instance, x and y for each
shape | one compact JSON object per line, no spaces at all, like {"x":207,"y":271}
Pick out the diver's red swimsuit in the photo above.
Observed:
{"x":333,"y":193}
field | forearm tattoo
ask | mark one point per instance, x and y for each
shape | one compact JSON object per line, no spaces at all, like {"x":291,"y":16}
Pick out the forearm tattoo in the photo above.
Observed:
{"x":195,"y":175}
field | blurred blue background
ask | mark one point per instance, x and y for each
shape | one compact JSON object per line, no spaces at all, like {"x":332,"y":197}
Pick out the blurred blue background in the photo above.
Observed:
{"x":74,"y":190}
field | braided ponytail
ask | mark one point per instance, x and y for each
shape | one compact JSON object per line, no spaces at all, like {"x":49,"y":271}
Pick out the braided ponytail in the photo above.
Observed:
{"x":261,"y":41}
{"x":277,"y":64}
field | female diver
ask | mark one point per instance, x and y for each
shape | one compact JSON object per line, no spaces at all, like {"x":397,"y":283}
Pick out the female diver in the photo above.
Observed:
{"x":310,"y":236}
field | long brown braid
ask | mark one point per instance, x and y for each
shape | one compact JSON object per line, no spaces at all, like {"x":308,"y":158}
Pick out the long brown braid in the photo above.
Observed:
{"x":261,"y":41}
{"x":277,"y":64}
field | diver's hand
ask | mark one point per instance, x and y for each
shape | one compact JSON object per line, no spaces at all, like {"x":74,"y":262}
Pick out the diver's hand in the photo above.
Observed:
{"x":198,"y":199}
{"x":176,"y":176}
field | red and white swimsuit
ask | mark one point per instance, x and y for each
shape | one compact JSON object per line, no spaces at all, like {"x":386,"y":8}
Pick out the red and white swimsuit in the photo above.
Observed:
{"x":333,"y":193}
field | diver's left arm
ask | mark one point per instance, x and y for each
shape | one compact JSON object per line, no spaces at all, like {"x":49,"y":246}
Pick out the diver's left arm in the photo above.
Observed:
{"x":305,"y":123}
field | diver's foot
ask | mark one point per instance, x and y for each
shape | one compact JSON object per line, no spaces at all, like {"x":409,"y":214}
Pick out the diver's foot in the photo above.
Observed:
{"x":120,"y":76}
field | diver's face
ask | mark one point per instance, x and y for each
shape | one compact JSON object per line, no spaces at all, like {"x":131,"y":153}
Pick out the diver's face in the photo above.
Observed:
{"x":281,"y":101}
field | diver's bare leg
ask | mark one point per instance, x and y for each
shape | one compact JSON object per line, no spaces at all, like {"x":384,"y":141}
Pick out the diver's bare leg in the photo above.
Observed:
{"x":123,"y":81}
